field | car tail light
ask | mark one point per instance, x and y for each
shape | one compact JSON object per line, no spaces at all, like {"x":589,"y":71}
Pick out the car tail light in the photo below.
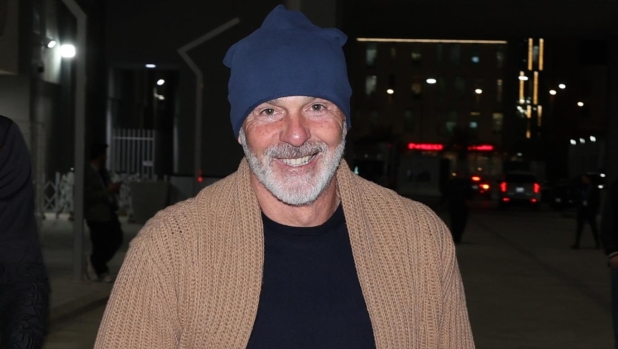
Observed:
{"x":533,"y":200}
{"x":506,"y":199}
{"x":537,"y":188}
{"x":476,"y":178}
{"x":503,"y":187}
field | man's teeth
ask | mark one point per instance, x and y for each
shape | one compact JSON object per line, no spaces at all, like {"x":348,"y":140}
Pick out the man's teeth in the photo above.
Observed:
{"x":297,"y":162}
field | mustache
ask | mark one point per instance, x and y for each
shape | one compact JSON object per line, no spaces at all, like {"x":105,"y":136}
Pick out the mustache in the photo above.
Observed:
{"x":288,"y":151}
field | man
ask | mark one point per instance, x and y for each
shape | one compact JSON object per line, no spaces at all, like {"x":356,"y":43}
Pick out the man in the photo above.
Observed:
{"x":100,"y":213}
{"x":609,"y":235}
{"x":292,"y":250}
{"x":24,"y":286}
{"x":588,"y":204}
{"x":455,"y":195}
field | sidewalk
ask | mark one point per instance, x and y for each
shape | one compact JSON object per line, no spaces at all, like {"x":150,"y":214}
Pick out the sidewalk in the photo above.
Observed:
{"x":70,"y":297}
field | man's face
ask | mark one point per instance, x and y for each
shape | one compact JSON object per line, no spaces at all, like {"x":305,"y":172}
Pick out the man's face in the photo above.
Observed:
{"x":294,"y":146}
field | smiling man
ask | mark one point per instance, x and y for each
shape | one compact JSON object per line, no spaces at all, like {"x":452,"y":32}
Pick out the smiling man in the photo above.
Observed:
{"x":292,"y":250}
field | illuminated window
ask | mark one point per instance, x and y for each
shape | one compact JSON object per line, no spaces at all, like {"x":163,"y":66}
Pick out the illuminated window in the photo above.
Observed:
{"x":497,"y":121}
{"x":451,"y":121}
{"x":500,"y":56}
{"x":455,"y":54}
{"x":499,"y":90}
{"x":416,"y":57}
{"x":371,"y":54}
{"x":371,"y":83}
{"x":409,"y":117}
{"x":476,"y":54}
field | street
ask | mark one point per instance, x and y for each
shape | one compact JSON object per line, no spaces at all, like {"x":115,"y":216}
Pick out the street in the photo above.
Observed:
{"x":525,"y":287}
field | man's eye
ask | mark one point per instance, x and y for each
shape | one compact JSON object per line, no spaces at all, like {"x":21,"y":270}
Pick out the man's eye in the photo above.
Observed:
{"x":318,"y":107}
{"x":267,"y":111}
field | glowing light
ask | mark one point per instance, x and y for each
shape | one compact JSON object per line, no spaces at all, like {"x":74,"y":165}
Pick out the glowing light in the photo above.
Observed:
{"x":552,"y":92}
{"x":593,"y":139}
{"x":67,"y":51}
{"x":523,"y":78}
{"x":562,"y":86}
{"x":580,"y":104}
{"x":530,"y":49}
{"x":160,"y":82}
{"x":51,"y":44}
{"x":151,"y":66}
{"x":535,"y":93}
{"x":439,"y":41}
{"x":482,"y":147}
{"x":485,"y":186}
{"x":582,"y":141}
{"x":541,"y":53}
{"x":476,"y":178}
{"x":425,"y":146}
{"x":573,"y":142}
{"x":431,"y":81}
{"x":602,"y":175}
{"x":478,"y":91}
{"x":390,"y":91}
{"x":600,"y":186}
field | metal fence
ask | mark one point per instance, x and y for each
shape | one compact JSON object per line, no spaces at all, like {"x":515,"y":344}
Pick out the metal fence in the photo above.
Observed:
{"x":133,"y":151}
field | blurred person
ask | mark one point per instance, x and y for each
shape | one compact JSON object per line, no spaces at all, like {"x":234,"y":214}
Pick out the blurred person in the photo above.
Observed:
{"x":588,"y":200}
{"x":292,"y":250}
{"x":100,"y":212}
{"x":456,"y":193}
{"x":609,"y":235}
{"x":24,"y":285}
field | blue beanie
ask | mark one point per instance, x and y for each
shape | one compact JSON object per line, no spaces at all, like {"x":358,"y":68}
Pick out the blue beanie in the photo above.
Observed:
{"x":287,"y":56}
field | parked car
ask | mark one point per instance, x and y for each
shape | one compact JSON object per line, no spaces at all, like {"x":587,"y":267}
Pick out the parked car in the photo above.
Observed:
{"x":481,"y":187}
{"x":519,"y":188}
{"x":564,"y":192}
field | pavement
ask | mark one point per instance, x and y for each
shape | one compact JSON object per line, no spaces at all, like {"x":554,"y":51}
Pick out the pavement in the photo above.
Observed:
{"x":525,"y":287}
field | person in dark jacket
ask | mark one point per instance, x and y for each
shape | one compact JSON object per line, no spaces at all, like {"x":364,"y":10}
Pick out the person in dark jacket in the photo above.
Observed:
{"x":609,"y":235}
{"x":100,"y":212}
{"x":456,"y":193}
{"x":24,"y":285}
{"x":588,"y":204}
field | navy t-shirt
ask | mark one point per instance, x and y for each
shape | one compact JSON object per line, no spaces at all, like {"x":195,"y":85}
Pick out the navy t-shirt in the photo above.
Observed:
{"x":311,"y":297}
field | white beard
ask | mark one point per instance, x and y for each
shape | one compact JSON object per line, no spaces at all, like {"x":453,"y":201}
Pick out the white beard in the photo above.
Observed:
{"x":298,"y":189}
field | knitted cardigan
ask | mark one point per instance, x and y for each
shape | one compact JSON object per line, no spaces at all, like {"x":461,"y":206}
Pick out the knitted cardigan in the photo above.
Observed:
{"x":192,"y":276}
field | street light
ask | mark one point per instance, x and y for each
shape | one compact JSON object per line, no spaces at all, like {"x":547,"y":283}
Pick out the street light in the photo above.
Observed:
{"x":67,"y":51}
{"x":562,"y":86}
{"x":478,"y":91}
{"x":431,"y":81}
{"x":523,"y":78}
{"x":51,"y":44}
{"x":151,"y":66}
{"x":160,"y":82}
{"x":582,"y":141}
{"x":573,"y":142}
{"x":593,"y":139}
{"x":552,"y":92}
{"x":580,"y":104}
{"x":390,"y":91}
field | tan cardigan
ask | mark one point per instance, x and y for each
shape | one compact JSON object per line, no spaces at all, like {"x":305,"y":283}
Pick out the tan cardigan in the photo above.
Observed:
{"x":193,"y":275}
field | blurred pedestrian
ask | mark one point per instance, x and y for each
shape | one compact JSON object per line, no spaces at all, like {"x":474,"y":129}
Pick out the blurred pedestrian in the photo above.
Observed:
{"x":456,"y":193}
{"x":293,"y":250}
{"x":588,"y":201}
{"x":609,"y":235}
{"x":101,"y":205}
{"x":24,"y":286}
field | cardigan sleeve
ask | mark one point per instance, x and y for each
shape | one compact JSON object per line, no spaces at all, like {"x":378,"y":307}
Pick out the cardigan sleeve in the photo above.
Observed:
{"x":455,"y":331}
{"x":142,"y":310}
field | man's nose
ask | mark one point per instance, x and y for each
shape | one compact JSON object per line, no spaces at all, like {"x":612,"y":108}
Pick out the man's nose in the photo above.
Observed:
{"x":296,"y":131}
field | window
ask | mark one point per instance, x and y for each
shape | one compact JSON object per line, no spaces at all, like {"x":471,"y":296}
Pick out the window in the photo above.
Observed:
{"x":417,"y":90}
{"x":372,"y":53}
{"x":500,"y":56}
{"x":460,"y":87}
{"x":474,"y":121}
{"x":451,"y":121}
{"x":476,"y":54}
{"x":416,"y":57}
{"x":499,"y":90}
{"x":497,"y":122}
{"x":371,"y":83}
{"x":409,"y":116}
{"x":455,"y":54}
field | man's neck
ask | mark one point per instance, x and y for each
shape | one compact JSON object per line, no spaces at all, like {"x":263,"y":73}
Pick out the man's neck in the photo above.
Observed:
{"x":314,"y":214}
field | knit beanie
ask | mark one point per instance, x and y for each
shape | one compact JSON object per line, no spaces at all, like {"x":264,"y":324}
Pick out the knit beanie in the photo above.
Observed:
{"x":287,"y":56}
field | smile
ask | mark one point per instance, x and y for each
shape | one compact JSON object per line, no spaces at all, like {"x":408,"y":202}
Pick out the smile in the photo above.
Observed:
{"x":299,"y":161}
